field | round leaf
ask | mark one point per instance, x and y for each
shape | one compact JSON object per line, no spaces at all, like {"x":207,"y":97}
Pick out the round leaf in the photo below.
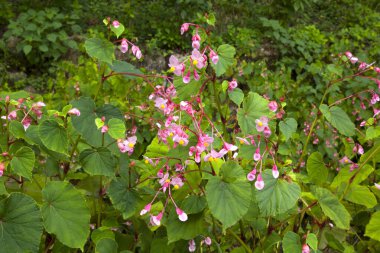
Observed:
{"x":176,"y":229}
{"x":288,"y":127}
{"x":229,"y":197}
{"x":66,"y":214}
{"x":116,"y":128}
{"x":98,"y":162}
{"x":106,"y":245}
{"x":278,"y":195}
{"x":316,"y":168}
{"x":23,"y":161}
{"x":339,"y":119}
{"x":54,"y":136}
{"x":291,"y":243}
{"x":373,"y":228}
{"x":101,"y":49}
{"x":226,"y":55}
{"x":20,"y":224}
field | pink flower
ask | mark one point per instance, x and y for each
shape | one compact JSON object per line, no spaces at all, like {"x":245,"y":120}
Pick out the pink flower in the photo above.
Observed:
{"x":354,"y":60}
{"x":127,"y":145}
{"x":232,"y":85}
{"x":136,"y":52}
{"x":267,"y":132}
{"x":26,"y":122}
{"x":375,"y":112}
{"x":227,"y":147}
{"x":212,"y":155}
{"x":305,"y":248}
{"x":160,"y":103}
{"x":197,"y":59}
{"x":115,"y":23}
{"x":242,"y":140}
{"x":377,"y":186}
{"x":186,"y":79}
{"x":208,"y":241}
{"x":2,"y":168}
{"x":156,"y":220}
{"x":348,"y":54}
{"x":261,"y":123}
{"x":363,"y":123}
{"x":375,"y":98}
{"x":196,"y":41}
{"x":124,"y":46}
{"x":377,"y":70}
{"x":74,"y":111}
{"x":104,"y":129}
{"x":259,"y":184}
{"x":192,"y":246}
{"x":175,"y":66}
{"x":214,"y":57}
{"x":273,"y":106}
{"x":39,"y":105}
{"x":362,"y":65}
{"x":12,"y":115}
{"x":165,"y":182}
{"x":275,"y":171}
{"x":358,"y":149}
{"x":251,"y":175}
{"x":184,"y":28}
{"x":345,"y":160}
{"x":196,"y":75}
{"x":186,"y":106}
{"x":160,"y":173}
{"x":183,"y":141}
{"x":257,"y":155}
{"x":176,"y":182}
{"x":182,"y":216}
{"x":146,"y":209}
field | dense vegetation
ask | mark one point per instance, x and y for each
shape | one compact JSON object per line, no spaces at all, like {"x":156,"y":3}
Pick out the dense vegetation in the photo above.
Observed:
{"x":201,"y":126}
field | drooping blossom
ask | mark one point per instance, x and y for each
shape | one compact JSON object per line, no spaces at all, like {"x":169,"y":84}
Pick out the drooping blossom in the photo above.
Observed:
{"x":232,"y":85}
{"x":12,"y":115}
{"x":184,"y":28}
{"x":207,"y":241}
{"x":358,"y":149}
{"x":227,"y":147}
{"x":192,"y":246}
{"x":259,"y":184}
{"x":375,"y":98}
{"x":156,"y":220}
{"x":74,"y":111}
{"x":26,"y":122}
{"x":182,"y":216}
{"x":261,"y":123}
{"x":196,"y":41}
{"x":354,"y":60}
{"x":305,"y":248}
{"x":124,"y":46}
{"x":39,"y":105}
{"x":2,"y":168}
{"x":362,"y":66}
{"x":115,"y":23}
{"x":267,"y":132}
{"x":275,"y":171}
{"x":146,"y":209}
{"x":256,"y":155}
{"x":136,"y":51}
{"x":214,"y":57}
{"x":251,"y":175}
{"x":377,"y":186}
{"x":196,"y":75}
{"x":273,"y":106}
{"x":186,"y":78}
{"x":176,"y":66}
{"x":104,"y":129}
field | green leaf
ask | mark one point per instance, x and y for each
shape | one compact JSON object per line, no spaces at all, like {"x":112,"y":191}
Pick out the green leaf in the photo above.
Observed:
{"x":66,"y":214}
{"x":23,"y":162}
{"x":373,"y":227}
{"x":312,"y":241}
{"x":100,"y":233}
{"x":27,"y":49}
{"x":106,"y":245}
{"x":54,"y":136}
{"x":237,"y":96}
{"x":291,"y":243}
{"x":338,"y":119}
{"x":361,"y":195}
{"x":124,"y":198}
{"x":316,"y":168}
{"x":122,"y":67}
{"x":332,"y":207}
{"x":229,"y":196}
{"x":116,"y":128}
{"x":372,"y":133}
{"x":288,"y":127}
{"x":176,"y":229}
{"x":98,"y":162}
{"x":371,"y":155}
{"x":226,"y":55}
{"x":278,"y":195}
{"x":101,"y":49}
{"x":20,"y":224}
{"x":85,"y":123}
{"x":194,"y":204}
{"x":254,"y":106}
{"x":345,"y":174}
{"x":186,"y":90}
{"x":118,"y":31}
{"x":17,"y":129}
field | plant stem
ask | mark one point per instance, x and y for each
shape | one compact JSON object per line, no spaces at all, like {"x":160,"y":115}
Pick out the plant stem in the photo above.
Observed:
{"x":245,"y":246}
{"x":100,"y":201}
{"x":217,"y":101}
